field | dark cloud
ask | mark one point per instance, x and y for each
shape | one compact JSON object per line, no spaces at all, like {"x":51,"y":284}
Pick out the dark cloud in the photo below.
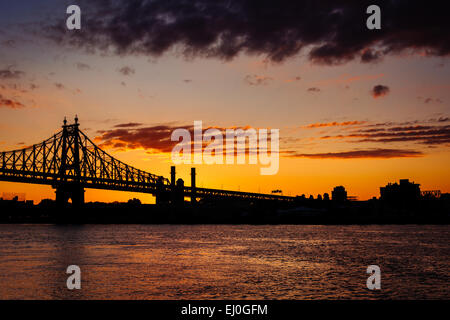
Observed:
{"x":153,"y":138}
{"x":334,"y":124}
{"x":255,"y":80}
{"x":10,"y":103}
{"x":430,"y":135}
{"x":126,"y":71}
{"x":8,"y":73}
{"x":380,"y":91}
{"x":371,"y":56}
{"x":128,"y":125}
{"x":333,"y":31}
{"x":313,"y":89}
{"x":410,"y":128}
{"x":360,"y":154}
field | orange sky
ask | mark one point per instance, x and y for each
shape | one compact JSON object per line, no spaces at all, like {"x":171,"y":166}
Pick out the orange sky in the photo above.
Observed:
{"x":357,"y":125}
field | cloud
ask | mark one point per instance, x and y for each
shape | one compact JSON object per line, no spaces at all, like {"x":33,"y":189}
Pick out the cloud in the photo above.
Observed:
{"x":8,"y":73}
{"x":371,"y":56}
{"x":14,"y":86}
{"x":313,"y":89}
{"x":59,"y":85}
{"x":360,"y":154}
{"x":331,"y":32}
{"x":430,"y":100}
{"x":430,"y":135}
{"x":82,"y":66}
{"x":255,"y":80}
{"x":152,"y":138}
{"x":155,"y":138}
{"x":380,"y":91}
{"x":128,"y":125}
{"x":10,"y":103}
{"x":334,"y":124}
{"x":126,"y":71}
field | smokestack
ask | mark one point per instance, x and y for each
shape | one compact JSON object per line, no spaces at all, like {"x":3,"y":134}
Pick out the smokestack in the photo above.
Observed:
{"x":193,"y":177}
{"x":172,"y":176}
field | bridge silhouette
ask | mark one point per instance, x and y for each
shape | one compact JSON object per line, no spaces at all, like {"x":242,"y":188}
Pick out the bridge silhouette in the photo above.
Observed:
{"x":70,"y":162}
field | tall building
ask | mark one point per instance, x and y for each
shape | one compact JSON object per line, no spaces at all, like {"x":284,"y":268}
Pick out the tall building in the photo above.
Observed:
{"x":339,"y":194}
{"x":403,"y":191}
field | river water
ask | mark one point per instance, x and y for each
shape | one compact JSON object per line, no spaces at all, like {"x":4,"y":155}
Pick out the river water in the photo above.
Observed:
{"x":224,"y":261}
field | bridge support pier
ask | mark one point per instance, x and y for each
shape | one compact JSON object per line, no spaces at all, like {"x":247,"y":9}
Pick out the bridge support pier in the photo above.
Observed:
{"x":162,"y":194}
{"x":193,"y":191}
{"x":178,"y":193}
{"x":64,"y":192}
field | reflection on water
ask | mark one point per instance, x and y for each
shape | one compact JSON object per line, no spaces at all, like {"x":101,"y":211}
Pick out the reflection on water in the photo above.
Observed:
{"x":224,"y":262}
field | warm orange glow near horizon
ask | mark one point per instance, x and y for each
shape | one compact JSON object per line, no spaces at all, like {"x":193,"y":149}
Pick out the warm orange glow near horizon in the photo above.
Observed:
{"x":361,"y":177}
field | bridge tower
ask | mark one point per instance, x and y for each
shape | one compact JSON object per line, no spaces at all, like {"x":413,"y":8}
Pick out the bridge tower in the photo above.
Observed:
{"x":70,"y":167}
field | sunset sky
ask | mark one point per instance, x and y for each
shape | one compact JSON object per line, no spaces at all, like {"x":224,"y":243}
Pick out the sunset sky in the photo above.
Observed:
{"x":355,"y":107}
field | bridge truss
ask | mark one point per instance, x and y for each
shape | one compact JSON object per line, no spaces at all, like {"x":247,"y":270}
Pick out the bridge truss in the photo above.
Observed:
{"x":69,"y":161}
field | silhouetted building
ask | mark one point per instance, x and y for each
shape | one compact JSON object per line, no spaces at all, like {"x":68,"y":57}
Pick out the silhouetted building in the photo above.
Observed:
{"x":400,"y":192}
{"x":431,"y":194}
{"x":319,"y":197}
{"x":302,"y":197}
{"x":326,"y":196}
{"x":445,"y":196}
{"x":134,"y":202}
{"x":339,"y":194}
